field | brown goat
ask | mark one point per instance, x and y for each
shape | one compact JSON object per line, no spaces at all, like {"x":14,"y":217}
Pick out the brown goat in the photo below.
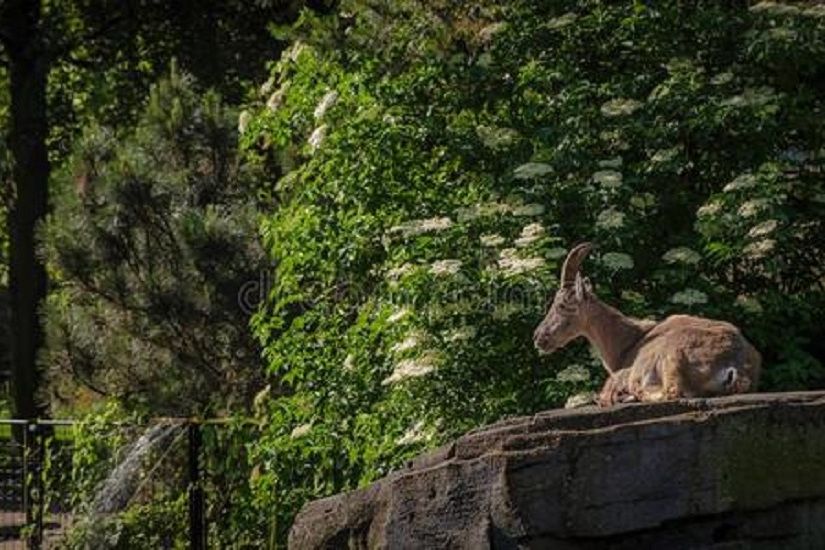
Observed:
{"x":682,"y":356}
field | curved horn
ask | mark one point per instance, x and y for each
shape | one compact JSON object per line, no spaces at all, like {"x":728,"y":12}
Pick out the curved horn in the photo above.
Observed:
{"x":573,"y":262}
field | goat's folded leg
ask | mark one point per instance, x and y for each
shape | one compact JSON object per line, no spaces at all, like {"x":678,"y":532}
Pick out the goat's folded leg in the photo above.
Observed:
{"x":606,"y":395}
{"x":654,"y":393}
{"x":616,"y":390}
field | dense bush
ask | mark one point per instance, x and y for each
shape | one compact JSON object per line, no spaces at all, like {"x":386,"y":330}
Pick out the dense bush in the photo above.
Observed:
{"x":439,"y":158}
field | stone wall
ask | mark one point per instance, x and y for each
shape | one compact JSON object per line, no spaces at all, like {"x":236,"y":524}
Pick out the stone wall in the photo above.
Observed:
{"x":735,"y":472}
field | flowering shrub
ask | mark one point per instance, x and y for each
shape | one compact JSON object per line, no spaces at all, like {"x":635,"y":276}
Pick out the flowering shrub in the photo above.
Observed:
{"x":437,"y":162}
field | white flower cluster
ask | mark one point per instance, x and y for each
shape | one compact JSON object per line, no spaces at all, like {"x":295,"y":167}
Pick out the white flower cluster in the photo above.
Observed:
{"x":445,"y":267}
{"x":525,"y":210}
{"x":642,"y":201}
{"x":759,"y":249}
{"x":410,"y":342}
{"x":816,"y":10}
{"x":561,"y":21}
{"x":460,"y":334}
{"x":492,"y":240}
{"x":751,"y":97}
{"x":317,"y":137}
{"x":511,"y":264}
{"x":398,"y":314}
{"x":411,"y":368}
{"x":494,"y":208}
{"x":610,"y":219}
{"x":419,"y":227}
{"x":608,"y":178}
{"x":266,"y":87}
{"x":775,"y":8}
{"x":243,"y":121}
{"x":399,"y":272}
{"x":762,"y":229}
{"x":721,"y":79}
{"x":530,"y":234}
{"x":689,"y":297}
{"x":620,"y":107}
{"x":294,"y":52}
{"x":415,"y":434}
{"x":749,"y":303}
{"x":495,"y":137}
{"x":556,"y":253}
{"x":682,"y":255}
{"x":752,"y":207}
{"x":617,"y":260}
{"x":530,"y":170}
{"x":300,"y":431}
{"x":709,"y":209}
{"x":614,"y":163}
{"x":680,"y":64}
{"x":742,"y":181}
{"x":615,"y":139}
{"x":574,"y":373}
{"x":663,"y":156}
{"x":481,"y":210}
{"x":277,"y":98}
{"x":326,"y":102}
{"x":486,"y":34}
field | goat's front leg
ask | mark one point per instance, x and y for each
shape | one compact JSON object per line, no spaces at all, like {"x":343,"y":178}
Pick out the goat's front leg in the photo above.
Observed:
{"x":616,"y":389}
{"x":653,"y":393}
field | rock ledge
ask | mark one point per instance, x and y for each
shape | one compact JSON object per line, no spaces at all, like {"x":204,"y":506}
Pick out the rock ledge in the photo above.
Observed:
{"x":740,"y":471}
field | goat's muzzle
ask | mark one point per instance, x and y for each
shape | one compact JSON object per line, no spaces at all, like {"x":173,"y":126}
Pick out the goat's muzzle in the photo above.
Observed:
{"x":542,"y":342}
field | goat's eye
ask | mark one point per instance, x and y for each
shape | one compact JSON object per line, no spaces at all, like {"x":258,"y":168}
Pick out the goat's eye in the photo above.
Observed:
{"x":730,"y":377}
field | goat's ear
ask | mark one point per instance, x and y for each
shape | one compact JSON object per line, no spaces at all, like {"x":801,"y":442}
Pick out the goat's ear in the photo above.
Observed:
{"x":588,"y":286}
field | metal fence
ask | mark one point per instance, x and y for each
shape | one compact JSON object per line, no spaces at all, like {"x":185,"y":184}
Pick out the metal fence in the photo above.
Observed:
{"x":175,"y":477}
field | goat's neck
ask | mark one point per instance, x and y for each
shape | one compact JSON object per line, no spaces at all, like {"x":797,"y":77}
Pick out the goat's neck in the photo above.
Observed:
{"x":610,"y":331}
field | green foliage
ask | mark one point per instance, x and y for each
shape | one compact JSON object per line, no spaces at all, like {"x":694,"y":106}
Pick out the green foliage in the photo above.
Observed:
{"x":438,"y":161}
{"x":151,"y":499}
{"x":105,"y":55}
{"x":95,"y":442}
{"x":155,"y":515}
{"x":156,"y":243}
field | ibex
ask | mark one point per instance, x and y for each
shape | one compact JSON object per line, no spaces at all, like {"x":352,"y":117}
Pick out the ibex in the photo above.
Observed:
{"x":682,"y":356}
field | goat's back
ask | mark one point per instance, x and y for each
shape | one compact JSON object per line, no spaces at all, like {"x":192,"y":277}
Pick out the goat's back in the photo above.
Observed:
{"x":697,"y":348}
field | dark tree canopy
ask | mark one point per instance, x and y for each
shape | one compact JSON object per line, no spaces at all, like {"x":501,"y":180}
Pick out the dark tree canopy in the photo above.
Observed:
{"x":150,"y":254}
{"x":72,"y":64}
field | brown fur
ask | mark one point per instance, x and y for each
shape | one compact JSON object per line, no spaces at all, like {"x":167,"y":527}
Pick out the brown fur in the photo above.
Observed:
{"x":681,"y":356}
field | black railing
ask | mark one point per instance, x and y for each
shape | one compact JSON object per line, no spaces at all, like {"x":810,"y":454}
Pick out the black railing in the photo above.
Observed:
{"x":50,"y":497}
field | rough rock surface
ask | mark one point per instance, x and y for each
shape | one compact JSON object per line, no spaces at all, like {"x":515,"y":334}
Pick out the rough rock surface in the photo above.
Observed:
{"x":735,"y":472}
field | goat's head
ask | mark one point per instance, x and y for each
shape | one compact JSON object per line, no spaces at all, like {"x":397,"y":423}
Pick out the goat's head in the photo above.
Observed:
{"x":565,"y":320}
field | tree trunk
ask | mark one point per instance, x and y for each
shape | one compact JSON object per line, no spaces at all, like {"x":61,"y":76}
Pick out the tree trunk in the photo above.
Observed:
{"x":28,"y":73}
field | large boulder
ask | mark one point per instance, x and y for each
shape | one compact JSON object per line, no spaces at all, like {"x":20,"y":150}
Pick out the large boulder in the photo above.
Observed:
{"x":741,"y":471}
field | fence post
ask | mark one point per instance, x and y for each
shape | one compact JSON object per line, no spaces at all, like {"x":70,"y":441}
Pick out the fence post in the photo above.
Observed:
{"x":197,"y":530}
{"x":40,"y":481}
{"x":27,"y":497}
{"x":33,"y":483}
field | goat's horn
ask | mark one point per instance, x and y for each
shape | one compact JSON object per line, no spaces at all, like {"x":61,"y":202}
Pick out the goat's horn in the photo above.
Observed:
{"x":573,"y":262}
